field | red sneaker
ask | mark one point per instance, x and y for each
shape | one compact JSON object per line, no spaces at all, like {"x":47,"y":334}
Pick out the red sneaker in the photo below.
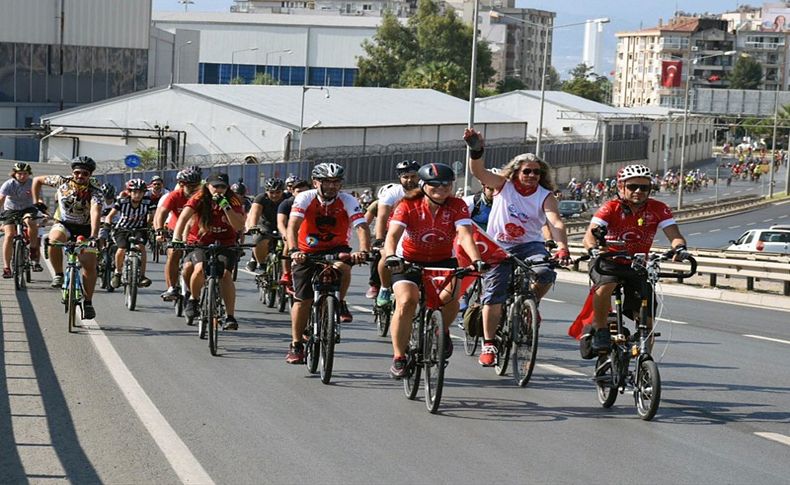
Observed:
{"x":7,"y":273}
{"x":295,"y":354}
{"x":487,"y":356}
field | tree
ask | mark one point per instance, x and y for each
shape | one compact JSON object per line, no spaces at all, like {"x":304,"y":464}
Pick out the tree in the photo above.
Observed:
{"x":553,"y":82}
{"x":510,"y":84}
{"x":587,"y":84}
{"x":431,"y":46}
{"x":747,"y":74}
{"x":148,"y":157}
{"x":238,"y":80}
{"x":264,"y":78}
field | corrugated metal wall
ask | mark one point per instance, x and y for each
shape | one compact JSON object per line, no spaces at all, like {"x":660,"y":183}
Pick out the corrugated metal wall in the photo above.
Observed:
{"x":105,"y":23}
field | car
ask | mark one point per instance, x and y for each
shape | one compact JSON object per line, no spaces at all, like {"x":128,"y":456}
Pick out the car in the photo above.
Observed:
{"x":773,"y":240}
{"x":572,"y":208}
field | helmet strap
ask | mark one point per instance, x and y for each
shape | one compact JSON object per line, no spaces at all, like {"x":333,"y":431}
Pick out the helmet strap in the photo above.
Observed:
{"x":422,"y":188}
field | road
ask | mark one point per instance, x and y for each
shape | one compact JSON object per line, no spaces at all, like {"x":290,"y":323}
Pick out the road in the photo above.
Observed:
{"x":102,"y":404}
{"x":716,"y":233}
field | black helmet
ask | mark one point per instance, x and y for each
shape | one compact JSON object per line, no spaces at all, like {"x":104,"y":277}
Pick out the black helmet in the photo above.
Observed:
{"x":196,"y":169}
{"x":83,"y":162}
{"x":188,"y":177}
{"x":108,"y":191}
{"x":239,"y":188}
{"x":23,"y":167}
{"x":274,"y":184}
{"x":136,"y":184}
{"x":407,"y":166}
{"x":436,"y":172}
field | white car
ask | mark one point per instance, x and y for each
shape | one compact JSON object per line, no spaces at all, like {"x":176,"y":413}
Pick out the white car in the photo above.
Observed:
{"x":773,"y":240}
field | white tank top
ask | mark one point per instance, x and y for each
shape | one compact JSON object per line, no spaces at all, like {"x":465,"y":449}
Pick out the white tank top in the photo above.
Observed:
{"x":516,"y":219}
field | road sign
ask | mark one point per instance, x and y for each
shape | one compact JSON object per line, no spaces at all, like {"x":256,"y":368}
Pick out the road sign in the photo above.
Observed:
{"x":457,"y":167}
{"x":132,"y":161}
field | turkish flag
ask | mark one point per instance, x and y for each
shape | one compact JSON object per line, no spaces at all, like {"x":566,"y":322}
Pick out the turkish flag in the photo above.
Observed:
{"x":490,"y":252}
{"x":584,"y":317}
{"x":714,"y":78}
{"x":670,"y":73}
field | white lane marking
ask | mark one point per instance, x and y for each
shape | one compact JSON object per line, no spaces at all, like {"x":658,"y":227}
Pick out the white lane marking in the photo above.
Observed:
{"x":362,"y":309}
{"x":783,"y":215}
{"x":767,"y":220}
{"x":672,"y":321}
{"x":181,"y":459}
{"x":751,"y":223}
{"x":695,"y":234}
{"x":782,"y":203}
{"x":779,"y":438}
{"x":712,"y":197}
{"x":734,"y":227}
{"x":760,"y":337}
{"x":714,"y":230}
{"x":552,"y":300}
{"x":738,"y":191}
{"x":559,"y":370}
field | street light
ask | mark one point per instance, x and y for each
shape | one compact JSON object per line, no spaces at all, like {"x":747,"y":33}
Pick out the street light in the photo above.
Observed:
{"x":686,"y":118}
{"x":266,"y":57}
{"x":302,"y":128}
{"x":233,"y":60}
{"x":178,"y":71}
{"x":779,"y":78}
{"x":546,"y":29}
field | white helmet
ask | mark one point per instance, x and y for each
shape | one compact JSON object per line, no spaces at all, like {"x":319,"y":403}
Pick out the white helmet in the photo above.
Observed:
{"x":383,"y":189}
{"x":633,"y":171}
{"x":495,"y":171}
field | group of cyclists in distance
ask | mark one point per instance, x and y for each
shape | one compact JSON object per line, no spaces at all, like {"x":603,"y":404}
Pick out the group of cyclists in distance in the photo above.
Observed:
{"x":418,"y":221}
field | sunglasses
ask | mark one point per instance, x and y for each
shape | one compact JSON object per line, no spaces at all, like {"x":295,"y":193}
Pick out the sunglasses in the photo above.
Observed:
{"x":81,"y":173}
{"x":439,"y":183}
{"x":528,"y":171}
{"x":219,"y":186}
{"x":633,"y":187}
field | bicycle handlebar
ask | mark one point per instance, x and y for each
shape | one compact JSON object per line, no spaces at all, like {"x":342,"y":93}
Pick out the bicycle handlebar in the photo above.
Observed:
{"x":609,"y":256}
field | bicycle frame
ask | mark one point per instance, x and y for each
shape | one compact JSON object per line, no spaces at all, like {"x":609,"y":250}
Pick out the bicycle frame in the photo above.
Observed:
{"x":72,"y":288}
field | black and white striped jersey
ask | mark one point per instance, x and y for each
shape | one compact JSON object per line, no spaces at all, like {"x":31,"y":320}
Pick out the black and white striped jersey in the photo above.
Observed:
{"x":132,"y":217}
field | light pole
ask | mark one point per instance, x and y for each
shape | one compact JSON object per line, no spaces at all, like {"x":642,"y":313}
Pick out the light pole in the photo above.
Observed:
{"x":233,"y":60}
{"x":683,"y":140}
{"x":302,"y":128}
{"x":266,"y":58}
{"x":546,"y":30}
{"x":779,"y":81}
{"x":186,"y":4}
{"x":472,"y":90}
{"x":178,"y":71}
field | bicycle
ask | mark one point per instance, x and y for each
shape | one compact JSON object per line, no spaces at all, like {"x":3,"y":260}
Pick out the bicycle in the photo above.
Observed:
{"x":613,"y":371}
{"x":271,"y":292}
{"x":323,"y":329}
{"x":130,"y":275}
{"x":382,"y":314}
{"x":106,"y":259}
{"x":72,"y":289}
{"x":21,"y":264}
{"x":425,"y":352}
{"x":473,"y":296}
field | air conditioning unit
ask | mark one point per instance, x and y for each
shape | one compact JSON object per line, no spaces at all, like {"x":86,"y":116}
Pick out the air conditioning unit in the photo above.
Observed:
{"x":567,"y":129}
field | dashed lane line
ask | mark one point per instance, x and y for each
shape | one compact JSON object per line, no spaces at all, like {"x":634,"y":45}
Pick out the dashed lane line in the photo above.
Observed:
{"x":751,"y":223}
{"x":362,"y":309}
{"x":552,"y":300}
{"x":695,"y":234}
{"x":782,"y":203}
{"x":782,"y":216}
{"x":559,"y":370}
{"x":779,"y":438}
{"x":767,"y":220}
{"x":714,"y":230}
{"x":734,"y":227}
{"x":760,"y":337}
{"x":672,"y":321}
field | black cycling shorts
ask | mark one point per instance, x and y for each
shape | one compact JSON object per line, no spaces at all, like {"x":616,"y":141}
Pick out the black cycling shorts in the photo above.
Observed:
{"x":121,"y":237}
{"x":632,"y":285}
{"x":416,"y":276}
{"x":302,"y":275}
{"x":227,"y":258}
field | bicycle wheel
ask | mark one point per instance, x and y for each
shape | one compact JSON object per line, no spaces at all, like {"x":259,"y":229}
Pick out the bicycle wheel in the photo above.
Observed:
{"x":329,"y":316}
{"x":109,"y":267}
{"x":204,"y":315}
{"x":382,"y":316}
{"x":604,"y":381}
{"x":18,"y":264}
{"x":132,"y":274}
{"x":212,"y":315}
{"x":272,"y":263}
{"x":504,"y":340}
{"x":154,"y":250}
{"x":434,"y":360}
{"x":71,"y":300}
{"x":313,"y":344}
{"x":411,"y":383}
{"x":647,"y":391}
{"x":282,"y":298}
{"x":525,"y":339}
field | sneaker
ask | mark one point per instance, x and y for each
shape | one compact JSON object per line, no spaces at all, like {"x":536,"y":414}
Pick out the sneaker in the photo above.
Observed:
{"x":88,"y":312}
{"x":345,"y":315}
{"x":115,"y":281}
{"x":7,"y":273}
{"x":57,"y":281}
{"x":170,"y":294}
{"x":399,"y":367}
{"x":372,"y":292}
{"x":252,"y":265}
{"x":602,"y":340}
{"x":144,"y":282}
{"x":231,"y":323}
{"x":37,"y":268}
{"x":285,"y":279}
{"x":487,"y":356}
{"x":295,"y":354}
{"x":385,"y":297}
{"x":191,"y":309}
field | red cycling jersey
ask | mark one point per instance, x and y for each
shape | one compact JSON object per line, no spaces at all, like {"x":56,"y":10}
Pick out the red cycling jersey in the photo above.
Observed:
{"x":174,"y":202}
{"x":220,"y":229}
{"x":429,"y":238}
{"x":638,"y":227}
{"x":325,"y":226}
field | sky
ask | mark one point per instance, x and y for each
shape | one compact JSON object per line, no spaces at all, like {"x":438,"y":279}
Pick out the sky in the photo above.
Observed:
{"x":625,"y":15}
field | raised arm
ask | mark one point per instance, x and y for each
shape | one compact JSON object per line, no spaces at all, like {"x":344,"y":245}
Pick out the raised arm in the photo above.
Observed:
{"x":477,"y":165}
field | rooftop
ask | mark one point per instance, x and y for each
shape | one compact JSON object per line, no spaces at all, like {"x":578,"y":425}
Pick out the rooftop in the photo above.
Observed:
{"x":265,"y":19}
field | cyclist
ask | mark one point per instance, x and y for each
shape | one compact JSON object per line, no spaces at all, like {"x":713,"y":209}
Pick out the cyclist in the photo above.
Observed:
{"x":218,"y":216}
{"x":523,"y":203}
{"x":156,"y":189}
{"x":16,"y":195}
{"x":136,"y":213}
{"x":635,"y":218}
{"x":78,"y":214}
{"x":263,"y":215}
{"x":289,"y":183}
{"x":428,"y":223}
{"x":165,"y":218}
{"x":320,"y":223}
{"x":241,"y":190}
{"x":479,"y":204}
{"x":108,"y":196}
{"x":388,"y":199}
{"x":283,"y":211}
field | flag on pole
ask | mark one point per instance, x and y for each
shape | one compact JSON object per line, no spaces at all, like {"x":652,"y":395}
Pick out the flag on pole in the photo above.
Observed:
{"x":670,"y":73}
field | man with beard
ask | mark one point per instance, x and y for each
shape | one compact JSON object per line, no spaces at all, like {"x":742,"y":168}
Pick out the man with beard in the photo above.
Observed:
{"x":263,"y":216}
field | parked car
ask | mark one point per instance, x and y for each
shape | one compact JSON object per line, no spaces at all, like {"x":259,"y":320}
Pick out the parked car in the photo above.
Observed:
{"x":572,"y":208}
{"x":773,"y":240}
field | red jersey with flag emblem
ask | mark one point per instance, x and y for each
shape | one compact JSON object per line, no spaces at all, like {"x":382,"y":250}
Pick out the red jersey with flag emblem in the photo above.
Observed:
{"x":428,"y":237}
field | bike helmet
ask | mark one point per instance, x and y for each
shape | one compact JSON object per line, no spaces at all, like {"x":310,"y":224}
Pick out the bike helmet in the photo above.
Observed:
{"x":108,"y":191}
{"x":383,"y":189}
{"x":291,"y":179}
{"x":239,"y":188}
{"x":274,"y":184}
{"x":407,"y":166}
{"x":328,"y":170}
{"x":136,"y":184}
{"x":23,"y":167}
{"x":438,"y":172}
{"x":633,"y":171}
{"x":196,"y":169}
{"x":83,"y":162}
{"x":157,"y":178}
{"x":188,"y":177}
